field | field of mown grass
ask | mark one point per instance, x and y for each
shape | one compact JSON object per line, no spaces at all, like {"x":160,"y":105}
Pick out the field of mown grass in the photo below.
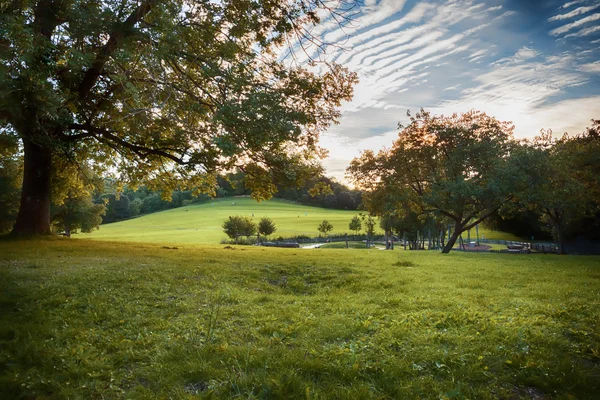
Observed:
{"x":90,"y":320}
{"x":201,"y":223}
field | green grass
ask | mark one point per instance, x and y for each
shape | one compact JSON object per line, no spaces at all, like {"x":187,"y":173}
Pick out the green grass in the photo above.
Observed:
{"x":91,"y":320}
{"x":201,"y":224}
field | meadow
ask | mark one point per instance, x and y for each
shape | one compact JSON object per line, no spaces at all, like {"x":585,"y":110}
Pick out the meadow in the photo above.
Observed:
{"x":86,"y":319}
{"x":201,"y":223}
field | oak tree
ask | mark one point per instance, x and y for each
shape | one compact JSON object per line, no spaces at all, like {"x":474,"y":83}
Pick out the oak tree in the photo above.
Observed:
{"x":162,"y":92}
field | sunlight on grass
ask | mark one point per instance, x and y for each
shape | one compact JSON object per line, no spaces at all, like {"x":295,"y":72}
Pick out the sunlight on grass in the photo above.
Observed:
{"x":85,"y":319}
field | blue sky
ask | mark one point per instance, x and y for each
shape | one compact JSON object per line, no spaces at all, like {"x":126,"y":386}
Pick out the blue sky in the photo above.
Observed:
{"x":536,"y":63}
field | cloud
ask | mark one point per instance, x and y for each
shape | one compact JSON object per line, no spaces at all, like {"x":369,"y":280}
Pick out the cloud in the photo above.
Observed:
{"x":524,"y":92}
{"x":452,"y":87}
{"x":454,"y":55}
{"x":574,"y":13}
{"x":568,"y":27}
{"x":572,"y":3}
{"x":584,"y":32}
{"x":524,"y":53}
{"x":593,"y":68}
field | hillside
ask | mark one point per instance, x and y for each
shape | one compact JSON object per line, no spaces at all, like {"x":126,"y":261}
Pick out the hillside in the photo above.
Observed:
{"x":201,"y":223}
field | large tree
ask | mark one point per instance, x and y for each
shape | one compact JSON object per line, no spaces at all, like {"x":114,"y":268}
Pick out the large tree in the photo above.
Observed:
{"x":162,"y":92}
{"x":458,"y":167}
{"x":11,"y":171}
{"x":567,"y":179}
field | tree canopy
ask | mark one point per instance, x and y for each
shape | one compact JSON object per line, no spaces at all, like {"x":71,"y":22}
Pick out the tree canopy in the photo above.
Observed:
{"x":325,"y":227}
{"x":455,"y":167}
{"x":238,"y":225}
{"x":566,"y":174}
{"x":266,"y":226}
{"x":355,"y":224}
{"x":167,"y":93}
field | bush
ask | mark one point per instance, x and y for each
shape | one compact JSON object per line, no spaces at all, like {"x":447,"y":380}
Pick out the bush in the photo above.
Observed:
{"x":237,"y":225}
{"x":244,"y":241}
{"x":266,"y":226}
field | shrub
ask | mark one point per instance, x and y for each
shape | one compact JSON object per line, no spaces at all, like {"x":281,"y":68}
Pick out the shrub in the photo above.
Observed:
{"x":266,"y":226}
{"x":236,"y":225}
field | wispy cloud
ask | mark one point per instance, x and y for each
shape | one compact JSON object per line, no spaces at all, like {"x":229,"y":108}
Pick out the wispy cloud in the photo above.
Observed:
{"x":452,"y":87}
{"x":584,"y":32}
{"x":572,"y":25}
{"x":574,"y":13}
{"x":572,"y":3}
{"x":454,"y":55}
{"x":524,"y":53}
{"x":593,"y":68}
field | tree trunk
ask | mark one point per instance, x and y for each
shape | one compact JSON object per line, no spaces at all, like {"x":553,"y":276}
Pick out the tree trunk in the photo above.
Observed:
{"x":560,"y":237}
{"x":34,"y":211}
{"x":452,"y":240}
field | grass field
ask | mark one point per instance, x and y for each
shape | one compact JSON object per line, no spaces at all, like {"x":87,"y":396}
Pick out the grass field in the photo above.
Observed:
{"x":90,"y":320}
{"x":201,"y":224}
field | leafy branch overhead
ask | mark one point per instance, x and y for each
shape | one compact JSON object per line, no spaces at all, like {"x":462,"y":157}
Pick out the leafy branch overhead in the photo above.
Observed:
{"x":166,"y":92}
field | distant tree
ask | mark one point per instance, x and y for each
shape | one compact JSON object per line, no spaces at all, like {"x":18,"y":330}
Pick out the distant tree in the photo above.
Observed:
{"x":325,"y":227}
{"x":355,"y":224}
{"x":117,"y":207}
{"x":388,"y":222}
{"x":77,"y":212}
{"x":369,"y":227}
{"x":459,"y":167}
{"x":266,"y":226}
{"x":135,"y":207}
{"x":236,"y":225}
{"x":345,"y":201}
{"x":567,"y":179}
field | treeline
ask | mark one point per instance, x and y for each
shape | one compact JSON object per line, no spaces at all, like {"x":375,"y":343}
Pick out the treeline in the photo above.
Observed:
{"x":105,"y":201}
{"x":444,"y":175}
{"x":340,"y":197}
{"x":132,"y":203}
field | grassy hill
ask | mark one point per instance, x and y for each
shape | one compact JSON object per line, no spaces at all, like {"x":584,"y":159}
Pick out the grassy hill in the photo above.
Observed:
{"x":91,"y":320}
{"x":201,"y":223}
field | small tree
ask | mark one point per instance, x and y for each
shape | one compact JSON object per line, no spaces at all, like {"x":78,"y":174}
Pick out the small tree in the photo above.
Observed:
{"x":266,"y":226}
{"x":355,"y":224}
{"x":236,"y":225}
{"x":325,"y":227}
{"x":370,"y":228}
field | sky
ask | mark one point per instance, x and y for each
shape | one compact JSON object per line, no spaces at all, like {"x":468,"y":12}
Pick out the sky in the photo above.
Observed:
{"x":535,"y":63}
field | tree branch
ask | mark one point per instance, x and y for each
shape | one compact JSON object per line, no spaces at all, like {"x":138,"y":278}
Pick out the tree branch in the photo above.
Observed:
{"x":104,"y":136}
{"x":116,"y":38}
